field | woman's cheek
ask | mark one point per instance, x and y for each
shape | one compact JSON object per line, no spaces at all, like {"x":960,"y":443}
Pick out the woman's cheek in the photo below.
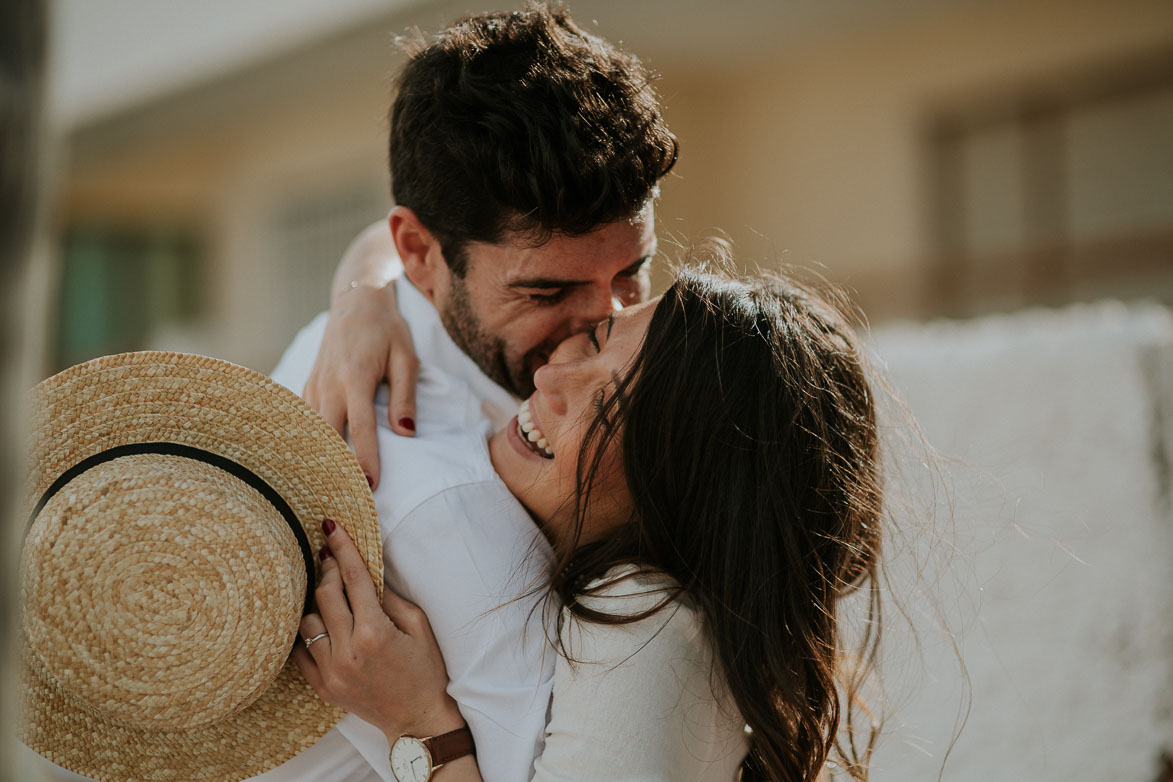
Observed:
{"x":566,"y":476}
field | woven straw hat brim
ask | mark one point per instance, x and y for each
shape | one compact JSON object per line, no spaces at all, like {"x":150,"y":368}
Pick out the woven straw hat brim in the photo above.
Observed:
{"x":237,"y":413}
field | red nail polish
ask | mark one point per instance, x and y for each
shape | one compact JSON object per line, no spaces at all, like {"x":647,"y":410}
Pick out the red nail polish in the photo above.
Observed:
{"x":407,"y":423}
{"x":328,"y":527}
{"x":325,"y":553}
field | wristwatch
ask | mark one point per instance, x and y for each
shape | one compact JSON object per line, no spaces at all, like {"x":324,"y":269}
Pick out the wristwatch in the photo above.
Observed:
{"x":414,"y":759}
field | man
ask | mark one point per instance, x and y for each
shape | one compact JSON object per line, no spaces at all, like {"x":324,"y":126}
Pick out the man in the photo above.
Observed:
{"x":548,"y":177}
{"x":525,"y":155}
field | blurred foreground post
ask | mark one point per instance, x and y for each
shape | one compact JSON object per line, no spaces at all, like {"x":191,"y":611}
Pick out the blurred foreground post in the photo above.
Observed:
{"x":22,"y":69}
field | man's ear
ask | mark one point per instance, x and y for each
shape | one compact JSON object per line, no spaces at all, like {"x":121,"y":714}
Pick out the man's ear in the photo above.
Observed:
{"x":422,"y":256}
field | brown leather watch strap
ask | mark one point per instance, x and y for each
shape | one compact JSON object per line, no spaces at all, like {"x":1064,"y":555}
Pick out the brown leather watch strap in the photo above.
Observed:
{"x":450,"y":746}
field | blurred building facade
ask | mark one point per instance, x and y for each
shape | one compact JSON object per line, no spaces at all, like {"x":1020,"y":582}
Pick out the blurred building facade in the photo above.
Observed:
{"x":941,"y":157}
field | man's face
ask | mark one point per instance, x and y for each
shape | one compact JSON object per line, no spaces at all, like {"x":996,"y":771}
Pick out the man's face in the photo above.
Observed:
{"x":516,"y":302}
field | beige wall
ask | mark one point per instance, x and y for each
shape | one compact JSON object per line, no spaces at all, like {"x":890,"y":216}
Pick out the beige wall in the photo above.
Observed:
{"x":285,"y":161}
{"x":227,"y":159}
{"x":810,"y":154}
{"x":815,"y":157}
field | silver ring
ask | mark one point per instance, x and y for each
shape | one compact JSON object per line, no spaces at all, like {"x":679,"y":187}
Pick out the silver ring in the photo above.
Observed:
{"x":318,"y":637}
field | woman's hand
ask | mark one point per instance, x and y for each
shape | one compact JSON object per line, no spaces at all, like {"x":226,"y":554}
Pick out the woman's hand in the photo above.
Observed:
{"x":366,"y":342}
{"x":380,"y":662}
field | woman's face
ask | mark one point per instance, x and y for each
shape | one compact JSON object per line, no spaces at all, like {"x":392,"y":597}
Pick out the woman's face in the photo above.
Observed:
{"x":537,"y":453}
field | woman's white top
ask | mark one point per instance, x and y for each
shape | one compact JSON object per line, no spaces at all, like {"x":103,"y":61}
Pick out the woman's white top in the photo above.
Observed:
{"x":639,"y":701}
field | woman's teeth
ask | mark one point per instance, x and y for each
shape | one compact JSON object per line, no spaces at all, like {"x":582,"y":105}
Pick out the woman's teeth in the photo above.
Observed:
{"x":530,"y":434}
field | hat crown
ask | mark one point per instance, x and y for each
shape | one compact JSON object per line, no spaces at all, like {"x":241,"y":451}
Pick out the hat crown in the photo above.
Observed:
{"x":160,"y":591}
{"x":254,"y":429}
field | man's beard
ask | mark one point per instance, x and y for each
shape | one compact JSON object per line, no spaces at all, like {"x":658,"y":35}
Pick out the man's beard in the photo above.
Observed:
{"x":486,"y":350}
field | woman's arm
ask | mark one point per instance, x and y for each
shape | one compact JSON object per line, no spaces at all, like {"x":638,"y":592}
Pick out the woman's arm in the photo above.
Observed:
{"x":370,"y":260}
{"x":378,"y":660}
{"x":366,"y":343}
{"x":637,"y":704}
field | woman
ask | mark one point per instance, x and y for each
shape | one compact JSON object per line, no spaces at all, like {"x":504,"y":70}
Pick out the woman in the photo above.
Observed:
{"x":711,"y":491}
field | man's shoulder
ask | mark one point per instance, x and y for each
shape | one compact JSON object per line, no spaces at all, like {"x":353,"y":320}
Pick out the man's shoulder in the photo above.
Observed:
{"x":444,"y":402}
{"x":449,"y":450}
{"x":413,"y":470}
{"x":293,"y":370}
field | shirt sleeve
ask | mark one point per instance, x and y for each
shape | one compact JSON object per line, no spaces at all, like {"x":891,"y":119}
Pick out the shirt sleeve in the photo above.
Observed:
{"x":293,"y":370}
{"x":637,"y":702}
{"x":470,"y":557}
{"x":330,"y":759}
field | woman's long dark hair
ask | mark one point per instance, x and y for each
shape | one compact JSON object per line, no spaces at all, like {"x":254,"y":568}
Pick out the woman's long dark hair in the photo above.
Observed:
{"x":749,"y":444}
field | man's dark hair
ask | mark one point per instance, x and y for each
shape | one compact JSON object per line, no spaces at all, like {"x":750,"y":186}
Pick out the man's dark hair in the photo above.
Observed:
{"x":523,"y":122}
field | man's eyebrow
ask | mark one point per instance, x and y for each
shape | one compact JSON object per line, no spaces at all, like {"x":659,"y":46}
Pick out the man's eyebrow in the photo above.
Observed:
{"x":546,"y":283}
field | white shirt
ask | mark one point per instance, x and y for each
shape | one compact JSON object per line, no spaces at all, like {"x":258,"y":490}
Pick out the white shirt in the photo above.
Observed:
{"x":459,"y":545}
{"x":640,"y":701}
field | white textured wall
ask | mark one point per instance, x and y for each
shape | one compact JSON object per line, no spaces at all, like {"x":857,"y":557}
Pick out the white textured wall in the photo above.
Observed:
{"x":1060,"y":591}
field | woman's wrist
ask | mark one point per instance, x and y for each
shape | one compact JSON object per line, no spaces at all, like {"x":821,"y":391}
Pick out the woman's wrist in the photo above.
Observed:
{"x":464,"y":768}
{"x":378,"y":284}
{"x":371,"y":260}
{"x":445,"y":718}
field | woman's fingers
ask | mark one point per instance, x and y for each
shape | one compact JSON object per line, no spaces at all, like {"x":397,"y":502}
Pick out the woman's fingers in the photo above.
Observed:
{"x":311,"y":626}
{"x":333,"y":604}
{"x":403,"y":369}
{"x":310,"y":657}
{"x":363,"y":429}
{"x":330,"y":406}
{"x":310,"y":670}
{"x":310,"y":393}
{"x":320,"y":647}
{"x":347,"y":566}
{"x":406,"y":615}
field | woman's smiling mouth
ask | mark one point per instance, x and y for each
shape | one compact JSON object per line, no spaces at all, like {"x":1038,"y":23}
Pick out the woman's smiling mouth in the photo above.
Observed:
{"x":530,"y":434}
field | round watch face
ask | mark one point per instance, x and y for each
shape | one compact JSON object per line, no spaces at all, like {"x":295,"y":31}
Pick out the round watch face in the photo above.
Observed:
{"x":410,"y":760}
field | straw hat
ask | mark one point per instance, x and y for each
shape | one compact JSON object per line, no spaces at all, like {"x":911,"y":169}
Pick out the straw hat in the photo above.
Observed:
{"x":176,"y":504}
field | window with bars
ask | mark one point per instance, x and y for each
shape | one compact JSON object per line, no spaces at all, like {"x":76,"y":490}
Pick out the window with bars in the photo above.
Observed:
{"x":119,"y":285}
{"x":1055,"y":192}
{"x":308,"y":235}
